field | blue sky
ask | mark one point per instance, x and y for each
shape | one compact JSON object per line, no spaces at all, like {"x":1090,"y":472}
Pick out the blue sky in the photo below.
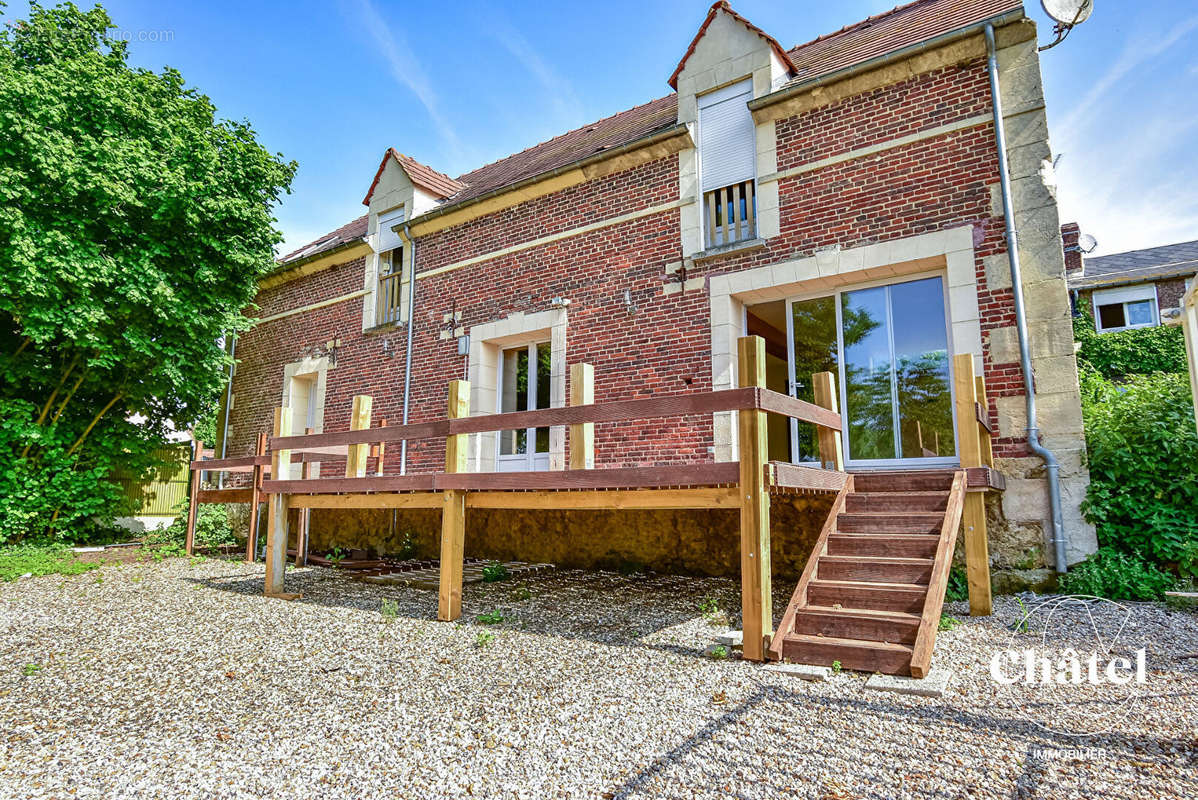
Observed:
{"x":459,"y":84}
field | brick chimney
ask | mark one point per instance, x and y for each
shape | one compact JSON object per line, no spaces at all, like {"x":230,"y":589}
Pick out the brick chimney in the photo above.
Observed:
{"x":1070,"y":232}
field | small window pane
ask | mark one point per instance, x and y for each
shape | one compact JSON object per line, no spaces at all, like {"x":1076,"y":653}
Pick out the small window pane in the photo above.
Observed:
{"x":1111,"y":316}
{"x":1139,"y":313}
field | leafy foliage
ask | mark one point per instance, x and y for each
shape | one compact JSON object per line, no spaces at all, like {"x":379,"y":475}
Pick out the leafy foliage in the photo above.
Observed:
{"x":134,"y":226}
{"x":1118,"y":575}
{"x":1139,"y":351}
{"x":494,"y":571}
{"x":957,"y":589}
{"x":212,"y":530}
{"x":1143,"y":452}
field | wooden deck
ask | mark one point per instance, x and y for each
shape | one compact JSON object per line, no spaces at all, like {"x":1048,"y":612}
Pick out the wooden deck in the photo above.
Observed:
{"x":744,"y":485}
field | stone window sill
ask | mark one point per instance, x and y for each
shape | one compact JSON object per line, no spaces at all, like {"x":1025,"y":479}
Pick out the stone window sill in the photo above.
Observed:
{"x":727,"y":250}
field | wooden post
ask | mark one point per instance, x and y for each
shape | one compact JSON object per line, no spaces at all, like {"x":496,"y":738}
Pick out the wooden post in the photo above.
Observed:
{"x":359,"y":420}
{"x":453,"y":511}
{"x":381,"y":451}
{"x":251,"y":540}
{"x":305,"y":516}
{"x":276,"y":530}
{"x":830,"y":453}
{"x":986,"y":447}
{"x":582,"y":437}
{"x":969,"y":445}
{"x":197,"y":450}
{"x":755,"y":573}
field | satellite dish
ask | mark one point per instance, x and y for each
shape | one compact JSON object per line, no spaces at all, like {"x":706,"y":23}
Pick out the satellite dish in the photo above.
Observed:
{"x":1087,"y":243}
{"x":1068,"y":12}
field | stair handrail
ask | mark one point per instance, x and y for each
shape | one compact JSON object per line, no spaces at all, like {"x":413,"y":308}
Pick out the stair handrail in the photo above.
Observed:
{"x":929,"y":623}
{"x":799,"y":598}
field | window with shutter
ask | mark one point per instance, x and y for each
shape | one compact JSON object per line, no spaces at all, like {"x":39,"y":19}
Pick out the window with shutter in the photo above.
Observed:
{"x":728,"y":164}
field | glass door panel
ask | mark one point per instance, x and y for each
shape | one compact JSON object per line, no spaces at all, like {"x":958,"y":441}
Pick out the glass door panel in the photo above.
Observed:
{"x":813,"y":349}
{"x":868,"y":374}
{"x":524,"y":385}
{"x":513,"y":396}
{"x":922,"y":381}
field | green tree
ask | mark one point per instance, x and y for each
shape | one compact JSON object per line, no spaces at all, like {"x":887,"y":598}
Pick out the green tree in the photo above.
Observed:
{"x":134,"y":225}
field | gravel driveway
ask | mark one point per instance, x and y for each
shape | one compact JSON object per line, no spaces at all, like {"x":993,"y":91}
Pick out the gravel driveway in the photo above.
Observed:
{"x":175,"y":680}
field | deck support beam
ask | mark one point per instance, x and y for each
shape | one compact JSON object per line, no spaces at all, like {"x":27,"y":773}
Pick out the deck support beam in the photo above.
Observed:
{"x":755,"y":571}
{"x":193,"y":506}
{"x":974,"y":453}
{"x":453,"y":511}
{"x":359,"y":420}
{"x":251,"y":539}
{"x":276,"y":531}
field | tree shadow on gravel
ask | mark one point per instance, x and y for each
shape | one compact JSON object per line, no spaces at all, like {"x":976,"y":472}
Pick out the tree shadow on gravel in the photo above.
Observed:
{"x":638,"y":610}
{"x":751,"y":750}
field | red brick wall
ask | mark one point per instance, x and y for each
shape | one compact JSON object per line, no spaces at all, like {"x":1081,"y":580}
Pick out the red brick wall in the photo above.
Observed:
{"x":664,"y":347}
{"x":1169,"y":293}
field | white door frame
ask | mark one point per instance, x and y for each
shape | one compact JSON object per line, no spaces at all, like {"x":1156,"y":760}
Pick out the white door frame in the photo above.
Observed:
{"x":530,"y":460}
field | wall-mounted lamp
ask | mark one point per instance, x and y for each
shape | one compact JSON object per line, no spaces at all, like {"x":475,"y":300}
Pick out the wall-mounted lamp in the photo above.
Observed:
{"x":332,"y":346}
{"x":629,"y":305}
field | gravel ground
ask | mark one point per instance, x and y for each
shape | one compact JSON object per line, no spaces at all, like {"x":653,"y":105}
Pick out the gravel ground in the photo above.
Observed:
{"x":177,"y":680}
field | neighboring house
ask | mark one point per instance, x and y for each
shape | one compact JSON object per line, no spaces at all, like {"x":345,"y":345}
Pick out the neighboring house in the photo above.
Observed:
{"x":1136,"y":289}
{"x":840,"y":198}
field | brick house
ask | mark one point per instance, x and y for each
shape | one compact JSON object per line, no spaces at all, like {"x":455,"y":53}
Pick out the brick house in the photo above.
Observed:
{"x":840,"y":198}
{"x":1136,"y":289}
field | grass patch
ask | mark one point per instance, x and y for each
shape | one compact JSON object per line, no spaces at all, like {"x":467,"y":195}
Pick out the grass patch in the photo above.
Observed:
{"x":947,"y":623}
{"x":491,"y":617}
{"x":38,"y":560}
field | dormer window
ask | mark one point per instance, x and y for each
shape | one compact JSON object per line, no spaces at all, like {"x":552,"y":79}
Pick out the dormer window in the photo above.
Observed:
{"x":728,"y":164}
{"x":393,"y":276}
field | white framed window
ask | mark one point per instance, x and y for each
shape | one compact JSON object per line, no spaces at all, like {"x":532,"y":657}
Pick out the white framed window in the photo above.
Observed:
{"x":1126,"y":307}
{"x":728,"y":164}
{"x":392,"y":271}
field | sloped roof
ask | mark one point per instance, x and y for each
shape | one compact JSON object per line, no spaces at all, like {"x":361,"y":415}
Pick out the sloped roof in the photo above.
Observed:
{"x":1150,"y":264}
{"x":606,"y":134}
{"x":716,"y":8}
{"x":349,"y":232}
{"x":891,"y":30}
{"x":876,"y":36}
{"x":439,"y":185}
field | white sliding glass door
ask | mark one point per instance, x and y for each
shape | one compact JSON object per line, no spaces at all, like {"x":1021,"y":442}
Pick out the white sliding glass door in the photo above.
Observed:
{"x":888,"y":346}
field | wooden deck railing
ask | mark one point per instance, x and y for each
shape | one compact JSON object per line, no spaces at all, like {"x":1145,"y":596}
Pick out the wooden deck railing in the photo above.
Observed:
{"x":390,"y":298}
{"x":925,"y":639}
{"x":744,"y":484}
{"x":731,"y":214}
{"x":973,"y":444}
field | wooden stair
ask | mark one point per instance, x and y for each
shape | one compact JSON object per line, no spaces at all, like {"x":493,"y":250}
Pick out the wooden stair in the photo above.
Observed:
{"x":871,"y":593}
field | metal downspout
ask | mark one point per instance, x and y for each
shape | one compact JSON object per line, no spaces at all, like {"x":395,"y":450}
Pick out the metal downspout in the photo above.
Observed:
{"x":1033,"y":433}
{"x":407,"y":372}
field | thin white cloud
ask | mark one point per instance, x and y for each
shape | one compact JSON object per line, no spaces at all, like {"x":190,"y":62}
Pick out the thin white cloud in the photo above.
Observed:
{"x":408,"y":72}
{"x":1137,"y":52}
{"x":1127,"y":176}
{"x":559,"y":92}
